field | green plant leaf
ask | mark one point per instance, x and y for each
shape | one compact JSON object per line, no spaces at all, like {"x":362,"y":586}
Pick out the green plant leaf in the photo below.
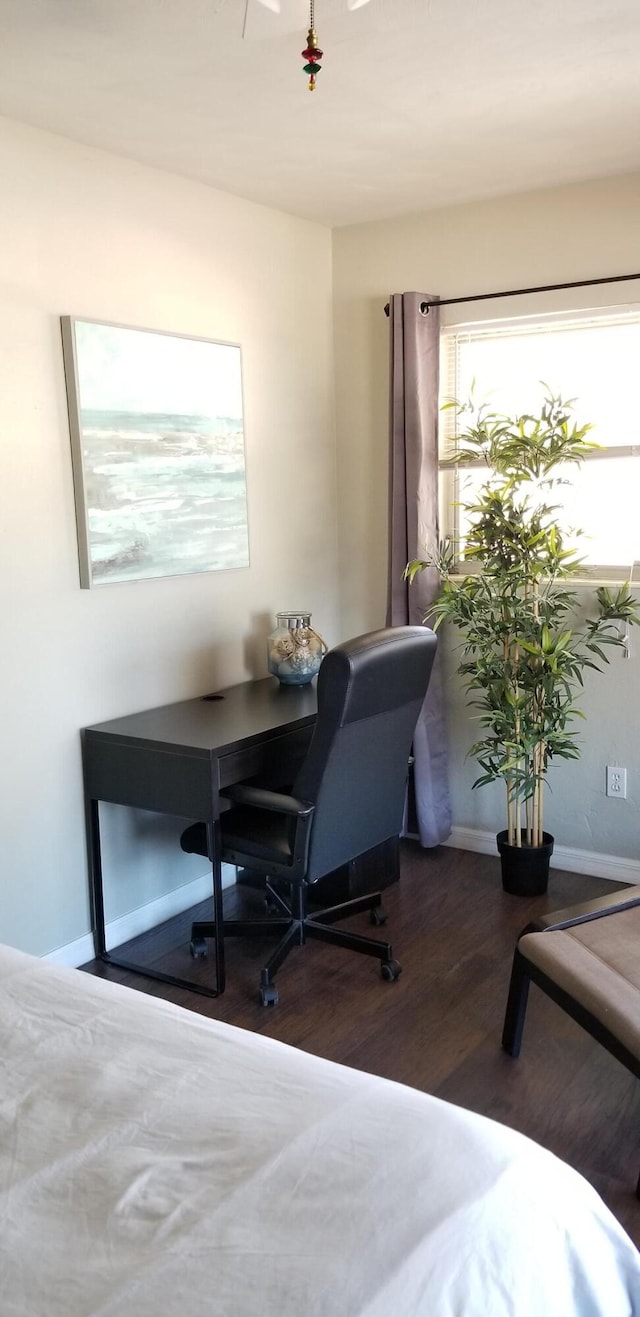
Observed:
{"x":522,"y":644}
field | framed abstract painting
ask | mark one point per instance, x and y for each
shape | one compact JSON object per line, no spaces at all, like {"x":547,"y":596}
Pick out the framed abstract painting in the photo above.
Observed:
{"x":157,"y":446}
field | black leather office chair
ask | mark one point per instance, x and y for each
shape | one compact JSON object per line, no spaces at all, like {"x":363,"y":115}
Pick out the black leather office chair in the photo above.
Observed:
{"x":348,"y":797}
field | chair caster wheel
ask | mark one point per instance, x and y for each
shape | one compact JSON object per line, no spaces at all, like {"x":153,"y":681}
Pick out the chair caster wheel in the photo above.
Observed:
{"x":390,"y":970}
{"x":269,"y":996}
{"x":378,"y":916}
{"x":198,"y":948}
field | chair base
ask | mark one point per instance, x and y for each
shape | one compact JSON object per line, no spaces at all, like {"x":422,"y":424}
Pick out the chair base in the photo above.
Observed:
{"x":296,"y":926}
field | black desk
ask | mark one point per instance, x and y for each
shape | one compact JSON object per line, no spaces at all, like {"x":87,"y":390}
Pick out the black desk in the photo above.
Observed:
{"x":175,"y":759}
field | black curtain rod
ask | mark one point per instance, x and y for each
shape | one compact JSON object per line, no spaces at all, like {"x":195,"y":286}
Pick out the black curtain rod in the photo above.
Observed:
{"x":518,"y":292}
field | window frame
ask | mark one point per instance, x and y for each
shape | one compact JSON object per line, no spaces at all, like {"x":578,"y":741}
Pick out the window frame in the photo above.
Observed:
{"x":449,"y":472}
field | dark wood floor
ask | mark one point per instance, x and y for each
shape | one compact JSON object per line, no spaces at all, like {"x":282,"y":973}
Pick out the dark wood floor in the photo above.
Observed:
{"x":438,"y":1028}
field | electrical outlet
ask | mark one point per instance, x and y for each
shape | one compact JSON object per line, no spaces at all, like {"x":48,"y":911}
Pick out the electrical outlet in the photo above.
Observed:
{"x":616,"y":781}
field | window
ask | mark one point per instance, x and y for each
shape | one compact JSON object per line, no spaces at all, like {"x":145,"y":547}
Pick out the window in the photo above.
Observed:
{"x":591,"y":357}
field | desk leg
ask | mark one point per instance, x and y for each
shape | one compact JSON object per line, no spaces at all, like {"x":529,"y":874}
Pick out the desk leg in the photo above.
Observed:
{"x":213,"y":843}
{"x":97,"y":910}
{"x":95,"y":878}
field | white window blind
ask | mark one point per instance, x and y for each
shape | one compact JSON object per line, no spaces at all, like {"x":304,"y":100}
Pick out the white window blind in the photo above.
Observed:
{"x":593,"y":358}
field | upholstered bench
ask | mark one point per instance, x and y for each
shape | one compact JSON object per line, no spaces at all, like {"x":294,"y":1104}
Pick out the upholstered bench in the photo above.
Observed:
{"x":587,"y":958}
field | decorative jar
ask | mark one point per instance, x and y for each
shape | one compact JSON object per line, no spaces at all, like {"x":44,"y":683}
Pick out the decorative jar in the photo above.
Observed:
{"x":294,"y":650}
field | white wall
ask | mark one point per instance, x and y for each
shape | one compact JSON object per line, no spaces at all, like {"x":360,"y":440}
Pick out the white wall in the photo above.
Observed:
{"x":87,"y":234}
{"x":582,"y":232}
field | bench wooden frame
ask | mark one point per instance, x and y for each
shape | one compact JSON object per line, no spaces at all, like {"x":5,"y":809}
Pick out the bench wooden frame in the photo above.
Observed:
{"x":524,"y":972}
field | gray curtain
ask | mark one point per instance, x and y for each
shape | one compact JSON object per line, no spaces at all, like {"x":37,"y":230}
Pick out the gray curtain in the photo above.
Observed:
{"x":413,"y":527}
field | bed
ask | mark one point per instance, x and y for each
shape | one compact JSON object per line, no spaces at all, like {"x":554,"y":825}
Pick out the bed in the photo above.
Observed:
{"x":156,"y":1163}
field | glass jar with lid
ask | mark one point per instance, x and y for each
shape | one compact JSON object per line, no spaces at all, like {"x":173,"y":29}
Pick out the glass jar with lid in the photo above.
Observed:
{"x":294,"y":650}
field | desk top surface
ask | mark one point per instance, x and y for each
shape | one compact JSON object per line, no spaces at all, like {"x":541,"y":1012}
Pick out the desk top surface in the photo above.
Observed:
{"x":220,"y":722}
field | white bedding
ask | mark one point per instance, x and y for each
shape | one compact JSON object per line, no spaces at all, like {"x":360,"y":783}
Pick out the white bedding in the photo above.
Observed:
{"x":155,"y":1163}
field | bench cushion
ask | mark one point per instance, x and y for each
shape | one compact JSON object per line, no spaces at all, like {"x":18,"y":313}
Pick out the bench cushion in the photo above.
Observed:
{"x":598,"y":964}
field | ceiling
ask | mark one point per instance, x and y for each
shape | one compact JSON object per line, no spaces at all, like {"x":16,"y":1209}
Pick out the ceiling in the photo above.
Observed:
{"x":419,"y":103}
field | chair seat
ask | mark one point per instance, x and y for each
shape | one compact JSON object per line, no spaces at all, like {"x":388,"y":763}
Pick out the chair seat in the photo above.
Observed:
{"x":598,"y":965}
{"x":586,"y":959}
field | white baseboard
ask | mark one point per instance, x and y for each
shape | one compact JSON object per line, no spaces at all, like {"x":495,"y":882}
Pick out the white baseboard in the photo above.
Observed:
{"x":141,"y":920}
{"x":614,"y":867}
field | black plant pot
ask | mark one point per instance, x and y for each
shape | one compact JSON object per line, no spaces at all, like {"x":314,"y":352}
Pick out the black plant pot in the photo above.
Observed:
{"x":525,"y":869}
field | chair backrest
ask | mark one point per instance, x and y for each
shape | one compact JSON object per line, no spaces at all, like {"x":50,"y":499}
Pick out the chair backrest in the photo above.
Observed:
{"x":370,"y":693}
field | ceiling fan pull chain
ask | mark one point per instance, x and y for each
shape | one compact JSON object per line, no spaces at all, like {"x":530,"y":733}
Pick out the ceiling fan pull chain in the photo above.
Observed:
{"x":312,"y":52}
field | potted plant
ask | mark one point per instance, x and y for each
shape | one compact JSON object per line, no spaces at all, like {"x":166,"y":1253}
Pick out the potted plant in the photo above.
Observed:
{"x":524,"y":646}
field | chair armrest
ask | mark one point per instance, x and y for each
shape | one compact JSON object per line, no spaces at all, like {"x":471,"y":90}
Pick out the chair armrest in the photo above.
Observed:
{"x":261,"y":798}
{"x":582,"y":914}
{"x":294,"y":868}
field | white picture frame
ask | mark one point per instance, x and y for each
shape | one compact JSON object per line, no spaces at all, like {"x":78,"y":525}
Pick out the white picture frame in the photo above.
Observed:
{"x":158,"y":455}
